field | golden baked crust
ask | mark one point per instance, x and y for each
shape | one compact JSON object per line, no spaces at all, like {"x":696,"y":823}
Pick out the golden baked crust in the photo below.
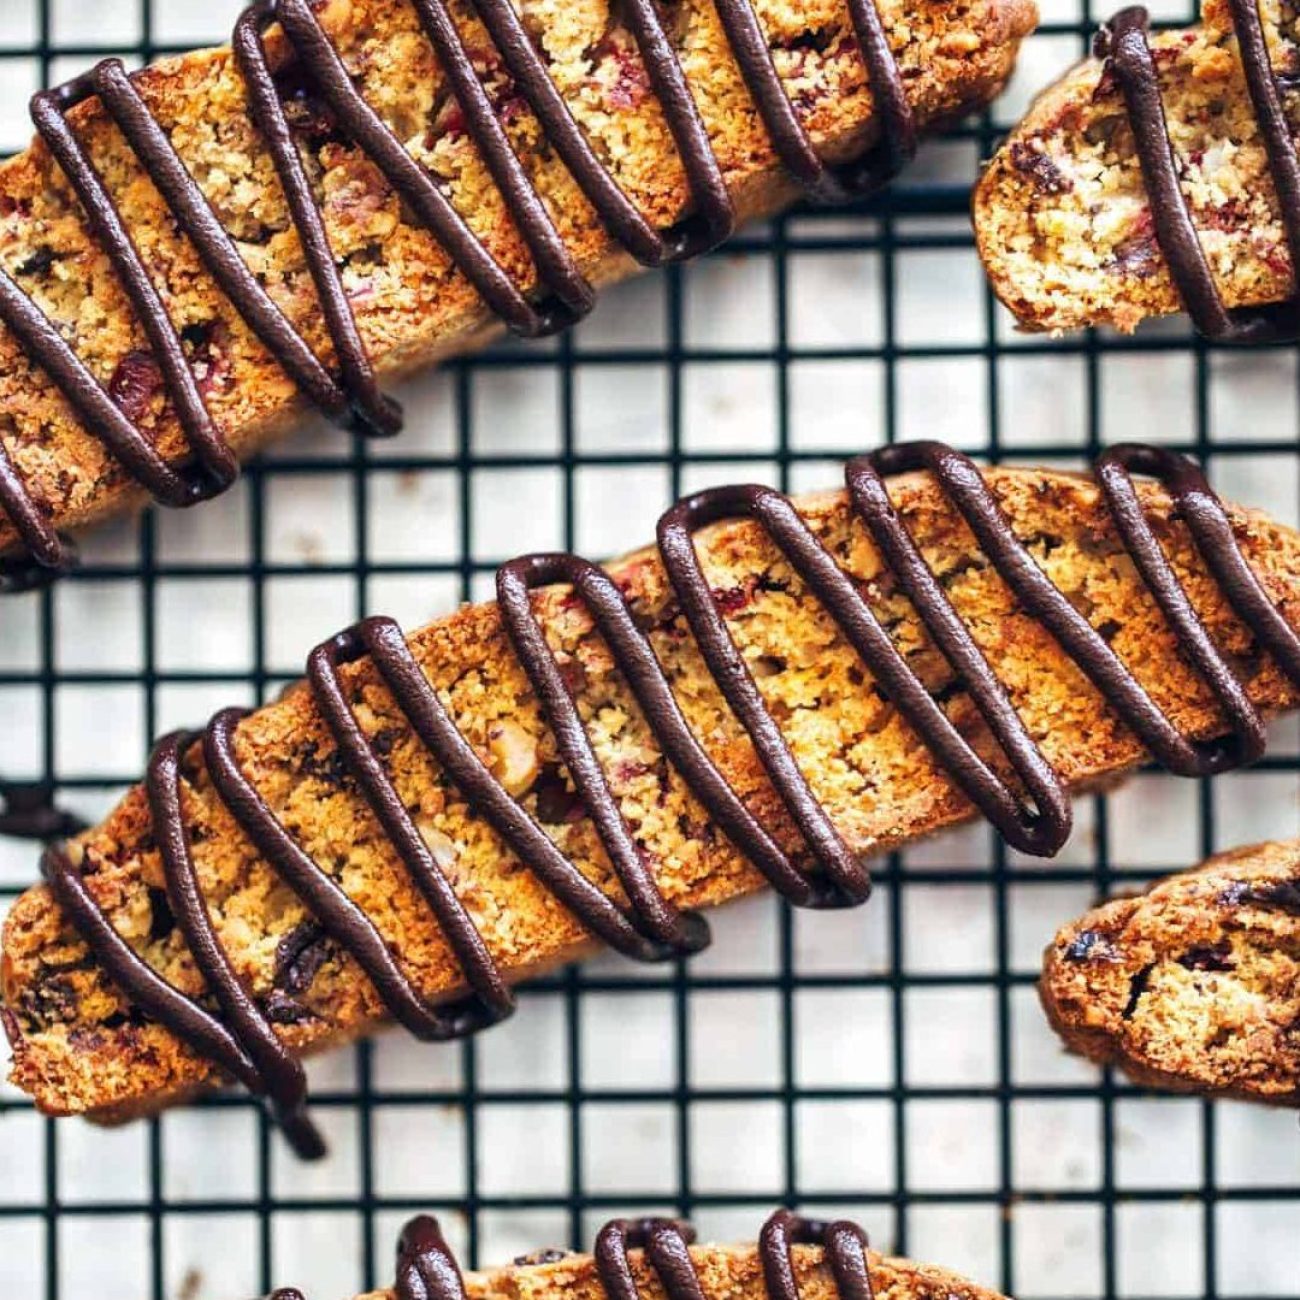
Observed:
{"x":725,"y":1273}
{"x":411,"y":306}
{"x":1062,"y":220}
{"x":1193,"y":985}
{"x":79,"y":1048}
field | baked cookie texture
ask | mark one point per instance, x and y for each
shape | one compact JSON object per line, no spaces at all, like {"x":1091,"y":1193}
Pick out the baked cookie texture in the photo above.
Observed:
{"x":725,"y":1273}
{"x":1194,"y":985}
{"x":411,"y":305}
{"x":1062,"y":220}
{"x":79,"y":1046}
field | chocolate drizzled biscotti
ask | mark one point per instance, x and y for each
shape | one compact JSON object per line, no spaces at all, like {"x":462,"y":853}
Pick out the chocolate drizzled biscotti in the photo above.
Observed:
{"x":1193,"y":985}
{"x":1157,"y":176}
{"x":776,"y":685}
{"x":457,"y":199}
{"x":655,"y":1259}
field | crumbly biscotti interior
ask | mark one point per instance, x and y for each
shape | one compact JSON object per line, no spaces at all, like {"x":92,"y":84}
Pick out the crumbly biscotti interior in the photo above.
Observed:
{"x":412,"y":306}
{"x":1193,"y":985}
{"x":78,"y":1046}
{"x":725,"y":1273}
{"x":1061,"y":213}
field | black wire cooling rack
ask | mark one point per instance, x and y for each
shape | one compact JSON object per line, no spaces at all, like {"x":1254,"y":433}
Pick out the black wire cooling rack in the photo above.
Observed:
{"x":1154,"y":1197}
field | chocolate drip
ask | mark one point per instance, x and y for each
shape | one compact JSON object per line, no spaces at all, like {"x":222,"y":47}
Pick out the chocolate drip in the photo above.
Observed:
{"x":427,"y":1269}
{"x":30,"y":813}
{"x":353,"y":398}
{"x":1123,"y":44}
{"x":243,"y":1042}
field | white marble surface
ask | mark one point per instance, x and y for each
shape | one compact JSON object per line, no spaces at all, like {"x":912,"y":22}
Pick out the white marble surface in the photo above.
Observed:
{"x":844,"y":1037}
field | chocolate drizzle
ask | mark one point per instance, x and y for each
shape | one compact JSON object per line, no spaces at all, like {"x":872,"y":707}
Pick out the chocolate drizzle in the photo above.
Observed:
{"x":352,"y":398}
{"x":1123,"y":44}
{"x":243,"y":1043}
{"x":427,"y":1269}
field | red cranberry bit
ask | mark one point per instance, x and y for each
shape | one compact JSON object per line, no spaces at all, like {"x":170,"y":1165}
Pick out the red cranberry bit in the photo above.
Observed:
{"x":730,"y":600}
{"x":134,"y":383}
{"x":631,"y":84}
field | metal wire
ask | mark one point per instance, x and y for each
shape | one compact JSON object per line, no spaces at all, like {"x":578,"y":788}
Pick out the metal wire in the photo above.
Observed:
{"x":914,"y":216}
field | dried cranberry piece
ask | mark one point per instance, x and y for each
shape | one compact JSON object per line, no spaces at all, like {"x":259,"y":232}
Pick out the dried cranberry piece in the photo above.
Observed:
{"x":134,"y":383}
{"x":730,"y":600}
{"x":631,"y":83}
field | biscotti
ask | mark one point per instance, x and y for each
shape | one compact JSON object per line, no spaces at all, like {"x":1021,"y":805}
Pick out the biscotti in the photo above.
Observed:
{"x":655,"y":1259}
{"x":1097,"y":212}
{"x":741,"y":650}
{"x":1193,"y":985}
{"x":182,"y":383}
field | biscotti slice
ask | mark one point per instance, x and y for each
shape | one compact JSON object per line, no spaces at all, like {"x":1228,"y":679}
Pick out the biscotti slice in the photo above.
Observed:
{"x":334,"y":784}
{"x":656,"y":1259}
{"x":410,"y":294}
{"x":1193,"y":985}
{"x":1073,"y":233}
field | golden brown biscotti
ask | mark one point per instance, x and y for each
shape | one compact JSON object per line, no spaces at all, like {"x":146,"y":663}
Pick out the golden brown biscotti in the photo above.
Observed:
{"x":1193,"y":985}
{"x":77,"y":1045}
{"x":1062,"y":217}
{"x":725,"y":1273}
{"x":411,"y":305}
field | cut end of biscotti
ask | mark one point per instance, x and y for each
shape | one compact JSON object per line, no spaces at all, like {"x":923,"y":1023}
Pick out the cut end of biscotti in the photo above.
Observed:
{"x":81,"y":1046}
{"x":725,"y":1273}
{"x":1193,"y":986}
{"x":1062,"y":219}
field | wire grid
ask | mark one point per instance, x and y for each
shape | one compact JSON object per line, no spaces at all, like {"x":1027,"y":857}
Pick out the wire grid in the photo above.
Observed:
{"x":889,"y":1063}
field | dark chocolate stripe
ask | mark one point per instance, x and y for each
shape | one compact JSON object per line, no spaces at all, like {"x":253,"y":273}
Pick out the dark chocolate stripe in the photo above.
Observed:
{"x":218,"y":467}
{"x":784,"y":524}
{"x":653,"y":915}
{"x":650,"y":928}
{"x":713,"y":217}
{"x":640,"y":669}
{"x":373,"y":412}
{"x":965,"y":487}
{"x":354,"y":397}
{"x":845,"y":1244}
{"x":792,"y":143}
{"x":280,"y":1075}
{"x":427,"y":1268}
{"x":1123,"y":44}
{"x":667,"y":1242}
{"x":1043,"y":833}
